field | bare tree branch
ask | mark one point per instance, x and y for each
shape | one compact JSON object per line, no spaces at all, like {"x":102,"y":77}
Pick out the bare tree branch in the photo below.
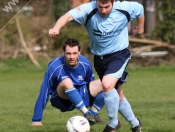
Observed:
{"x":23,"y":43}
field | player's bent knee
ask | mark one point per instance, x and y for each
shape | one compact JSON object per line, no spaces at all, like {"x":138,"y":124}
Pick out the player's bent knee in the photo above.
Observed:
{"x":106,"y":87}
{"x":67,"y":82}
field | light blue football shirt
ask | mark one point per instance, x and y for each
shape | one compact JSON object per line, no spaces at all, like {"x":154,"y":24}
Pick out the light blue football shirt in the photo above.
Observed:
{"x":110,"y":34}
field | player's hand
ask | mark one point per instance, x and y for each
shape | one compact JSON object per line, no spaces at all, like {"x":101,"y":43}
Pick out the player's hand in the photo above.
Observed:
{"x":135,"y":32}
{"x":53,"y":32}
{"x":36,"y":124}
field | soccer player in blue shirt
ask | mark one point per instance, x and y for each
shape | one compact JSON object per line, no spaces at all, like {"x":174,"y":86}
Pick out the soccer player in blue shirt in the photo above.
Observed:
{"x":106,"y":22}
{"x":69,"y":80}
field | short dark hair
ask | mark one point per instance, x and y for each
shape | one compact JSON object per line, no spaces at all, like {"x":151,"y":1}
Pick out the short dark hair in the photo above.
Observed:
{"x":71,"y":42}
{"x":105,"y":1}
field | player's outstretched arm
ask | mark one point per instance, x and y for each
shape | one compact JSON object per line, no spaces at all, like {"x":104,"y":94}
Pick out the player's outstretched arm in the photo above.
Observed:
{"x":36,"y":124}
{"x":61,"y":22}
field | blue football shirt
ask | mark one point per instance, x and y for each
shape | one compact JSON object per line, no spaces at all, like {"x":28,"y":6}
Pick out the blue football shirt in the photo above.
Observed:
{"x":57,"y":71}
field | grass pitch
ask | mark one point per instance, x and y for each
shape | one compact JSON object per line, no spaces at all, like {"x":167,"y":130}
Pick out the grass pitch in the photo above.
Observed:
{"x":150,"y":92}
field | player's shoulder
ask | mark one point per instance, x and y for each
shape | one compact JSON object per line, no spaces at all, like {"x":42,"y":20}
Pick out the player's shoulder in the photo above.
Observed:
{"x":83,"y":59}
{"x":87,"y":6}
{"x":125,"y":4}
{"x":56,"y":62}
{"x":120,"y":5}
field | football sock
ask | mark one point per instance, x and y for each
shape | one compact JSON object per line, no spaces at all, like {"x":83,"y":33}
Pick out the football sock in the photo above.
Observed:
{"x":75,"y":98}
{"x":99,"y":101}
{"x":94,"y":113}
{"x":84,"y":110}
{"x":126,"y":111}
{"x":87,"y":112}
{"x":111,"y":100}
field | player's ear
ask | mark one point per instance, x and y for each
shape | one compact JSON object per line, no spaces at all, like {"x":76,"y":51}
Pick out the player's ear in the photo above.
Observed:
{"x":79,"y":53}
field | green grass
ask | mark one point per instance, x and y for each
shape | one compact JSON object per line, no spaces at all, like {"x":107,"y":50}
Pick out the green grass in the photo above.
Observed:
{"x":150,"y":92}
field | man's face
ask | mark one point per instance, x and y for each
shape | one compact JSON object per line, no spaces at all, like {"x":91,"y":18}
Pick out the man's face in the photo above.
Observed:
{"x":104,"y":8}
{"x":71,"y":55}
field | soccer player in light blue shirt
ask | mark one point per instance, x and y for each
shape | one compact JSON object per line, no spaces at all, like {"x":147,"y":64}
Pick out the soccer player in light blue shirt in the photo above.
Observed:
{"x":106,"y":22}
{"x":69,"y":80}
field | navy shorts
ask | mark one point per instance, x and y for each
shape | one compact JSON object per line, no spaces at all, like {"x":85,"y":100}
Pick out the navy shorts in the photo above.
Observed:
{"x":113,"y":64}
{"x":66,"y":105}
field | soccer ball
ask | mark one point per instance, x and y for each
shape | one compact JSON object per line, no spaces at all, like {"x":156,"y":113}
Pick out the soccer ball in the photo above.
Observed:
{"x":78,"y":124}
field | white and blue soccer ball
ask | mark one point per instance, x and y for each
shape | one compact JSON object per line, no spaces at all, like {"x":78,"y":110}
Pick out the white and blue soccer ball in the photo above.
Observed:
{"x":78,"y":124}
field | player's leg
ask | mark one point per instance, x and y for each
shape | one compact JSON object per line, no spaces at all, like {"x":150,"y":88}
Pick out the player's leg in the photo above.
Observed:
{"x":96,"y":99}
{"x":112,"y":67}
{"x":111,"y":99}
{"x":126,"y":111}
{"x":95,"y":88}
{"x":124,"y":107}
{"x":66,"y":90}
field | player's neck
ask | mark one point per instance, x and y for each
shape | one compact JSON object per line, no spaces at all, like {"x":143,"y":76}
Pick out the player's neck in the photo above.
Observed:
{"x":76,"y":63}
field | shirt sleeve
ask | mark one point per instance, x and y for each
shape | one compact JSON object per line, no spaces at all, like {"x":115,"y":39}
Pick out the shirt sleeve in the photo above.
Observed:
{"x":136,"y":10}
{"x":43,"y":97}
{"x":80,"y":13}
